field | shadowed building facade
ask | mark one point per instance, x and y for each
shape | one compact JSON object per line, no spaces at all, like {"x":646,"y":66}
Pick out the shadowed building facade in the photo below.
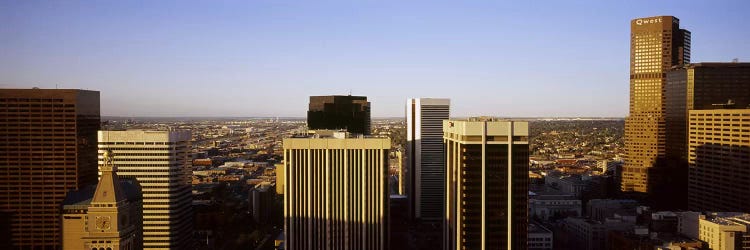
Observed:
{"x":47,"y":148}
{"x":425,"y":156}
{"x":336,"y":193}
{"x":719,"y":156}
{"x":160,"y":162}
{"x":337,"y":112}
{"x":698,"y":86}
{"x":487,"y":164}
{"x":656,"y":45}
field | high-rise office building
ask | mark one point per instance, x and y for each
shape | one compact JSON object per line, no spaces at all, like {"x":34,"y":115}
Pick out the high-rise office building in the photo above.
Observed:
{"x":695,"y":86}
{"x":487,"y":164}
{"x":424,"y":153}
{"x":656,"y":45}
{"x":337,"y":112}
{"x":47,"y":147}
{"x":160,"y":162}
{"x":336,"y":193}
{"x":107,"y":216}
{"x":718,"y":157}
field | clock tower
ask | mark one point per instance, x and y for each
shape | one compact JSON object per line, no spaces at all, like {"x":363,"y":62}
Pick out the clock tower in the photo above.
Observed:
{"x":112,"y":219}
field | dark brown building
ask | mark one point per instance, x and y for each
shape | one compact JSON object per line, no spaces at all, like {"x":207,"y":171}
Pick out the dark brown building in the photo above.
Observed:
{"x":47,"y":147}
{"x":698,"y":86}
{"x":487,"y":164}
{"x":335,"y":112}
{"x":656,"y":45}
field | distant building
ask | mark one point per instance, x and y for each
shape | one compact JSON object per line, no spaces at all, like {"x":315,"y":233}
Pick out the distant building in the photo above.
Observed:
{"x":568,"y":184}
{"x":640,"y":238}
{"x":601,"y":209}
{"x":487,"y":166}
{"x":280,"y":179}
{"x":335,"y":112}
{"x":545,"y":206}
{"x":424,"y":153}
{"x":539,"y":237}
{"x":401,"y":174}
{"x":687,"y":223}
{"x":336,"y":193}
{"x":719,"y":146}
{"x":160,"y":161}
{"x":261,"y":201}
{"x":47,"y":147}
{"x":656,"y":45}
{"x":107,"y":217}
{"x":586,"y":234}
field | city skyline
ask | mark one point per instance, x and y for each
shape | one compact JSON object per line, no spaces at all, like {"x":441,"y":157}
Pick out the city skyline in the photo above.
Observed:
{"x":510,"y":136}
{"x":221,"y":60}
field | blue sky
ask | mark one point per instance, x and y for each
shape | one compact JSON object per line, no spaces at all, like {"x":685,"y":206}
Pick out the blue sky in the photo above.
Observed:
{"x":264,"y":58}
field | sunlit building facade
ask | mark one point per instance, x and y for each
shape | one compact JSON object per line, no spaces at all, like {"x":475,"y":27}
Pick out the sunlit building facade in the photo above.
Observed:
{"x":336,"y":193}
{"x":160,"y":162}
{"x":656,"y":45}
{"x":106,"y":216}
{"x":719,"y":156}
{"x":487,"y":164}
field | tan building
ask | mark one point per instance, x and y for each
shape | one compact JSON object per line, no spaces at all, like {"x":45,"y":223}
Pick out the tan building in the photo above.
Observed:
{"x":336,"y":193}
{"x":160,"y":162}
{"x":487,"y":163}
{"x":47,"y":148}
{"x":279,"y":178}
{"x":656,"y":44}
{"x":724,"y":232}
{"x":107,"y":218}
{"x":718,"y":157}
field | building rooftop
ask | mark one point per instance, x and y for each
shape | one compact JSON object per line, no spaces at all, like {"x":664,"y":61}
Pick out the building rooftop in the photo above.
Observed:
{"x":80,"y":199}
{"x":538,"y":229}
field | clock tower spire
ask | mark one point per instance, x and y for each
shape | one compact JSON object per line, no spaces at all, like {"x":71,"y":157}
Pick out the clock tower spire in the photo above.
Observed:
{"x":113,"y":217}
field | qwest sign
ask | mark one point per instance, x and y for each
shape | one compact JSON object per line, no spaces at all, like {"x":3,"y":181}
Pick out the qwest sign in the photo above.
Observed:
{"x":647,"y":21}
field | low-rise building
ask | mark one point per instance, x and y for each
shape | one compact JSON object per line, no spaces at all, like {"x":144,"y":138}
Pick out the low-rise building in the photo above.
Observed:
{"x":539,"y":237}
{"x":726,"y":231}
{"x":548,"y":205}
{"x":587,"y":234}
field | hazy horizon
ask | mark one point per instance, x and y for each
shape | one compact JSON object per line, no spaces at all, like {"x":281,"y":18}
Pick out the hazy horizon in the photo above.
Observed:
{"x":265,"y":58}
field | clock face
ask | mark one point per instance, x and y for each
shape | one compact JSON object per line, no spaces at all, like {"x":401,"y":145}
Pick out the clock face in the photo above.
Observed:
{"x":103,"y":222}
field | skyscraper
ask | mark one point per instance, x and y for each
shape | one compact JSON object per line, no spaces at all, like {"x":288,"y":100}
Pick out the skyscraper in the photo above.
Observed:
{"x":47,"y":147}
{"x":160,"y":161}
{"x":697,"y":86}
{"x":424,"y":152}
{"x":719,"y":156}
{"x":107,"y":216}
{"x":656,"y":44}
{"x":336,"y":193}
{"x":487,"y":164}
{"x":335,"y":112}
